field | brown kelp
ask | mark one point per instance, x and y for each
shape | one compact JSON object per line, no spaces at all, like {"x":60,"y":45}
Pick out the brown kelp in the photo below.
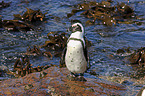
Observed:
{"x":24,"y":22}
{"x":23,"y":67}
{"x":138,"y":57}
{"x":105,"y":11}
{"x":16,"y":25}
{"x":31,"y":15}
{"x":56,"y":41}
{"x":36,"y":51}
{"x":137,"y":61}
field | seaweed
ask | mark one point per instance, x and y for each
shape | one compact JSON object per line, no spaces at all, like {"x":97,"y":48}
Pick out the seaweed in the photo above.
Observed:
{"x":24,"y":22}
{"x":105,"y":11}
{"x":30,"y":16}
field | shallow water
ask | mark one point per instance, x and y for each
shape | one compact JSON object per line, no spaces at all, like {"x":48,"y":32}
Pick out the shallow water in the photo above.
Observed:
{"x":106,"y":39}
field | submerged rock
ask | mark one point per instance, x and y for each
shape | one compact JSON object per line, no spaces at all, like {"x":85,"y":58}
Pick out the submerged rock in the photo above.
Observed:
{"x":55,"y":83}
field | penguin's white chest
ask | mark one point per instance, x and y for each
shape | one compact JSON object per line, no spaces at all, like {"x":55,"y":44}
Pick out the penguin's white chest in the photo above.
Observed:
{"x":74,"y":58}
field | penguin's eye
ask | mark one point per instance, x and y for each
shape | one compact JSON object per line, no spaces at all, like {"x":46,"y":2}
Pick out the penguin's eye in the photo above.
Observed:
{"x":76,"y":28}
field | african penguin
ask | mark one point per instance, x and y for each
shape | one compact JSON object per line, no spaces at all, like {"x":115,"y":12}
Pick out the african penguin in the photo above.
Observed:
{"x":75,"y":55}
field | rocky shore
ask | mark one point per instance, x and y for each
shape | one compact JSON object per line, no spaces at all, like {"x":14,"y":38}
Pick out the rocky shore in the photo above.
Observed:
{"x":53,"y":81}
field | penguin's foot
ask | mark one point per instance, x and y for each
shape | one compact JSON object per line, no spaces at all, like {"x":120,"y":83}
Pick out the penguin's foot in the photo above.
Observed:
{"x":71,"y":77}
{"x":74,"y":77}
{"x":81,"y":78}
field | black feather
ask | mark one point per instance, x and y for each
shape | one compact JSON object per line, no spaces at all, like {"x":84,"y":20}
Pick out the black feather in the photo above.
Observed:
{"x":75,"y":21}
{"x":62,"y":60}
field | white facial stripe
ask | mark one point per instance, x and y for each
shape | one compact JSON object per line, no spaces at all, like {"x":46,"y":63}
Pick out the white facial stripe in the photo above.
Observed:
{"x":79,"y":25}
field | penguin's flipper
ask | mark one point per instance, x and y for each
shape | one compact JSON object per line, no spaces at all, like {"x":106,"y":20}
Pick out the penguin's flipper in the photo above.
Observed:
{"x":87,"y":57}
{"x":62,"y":60}
{"x":86,"y":54}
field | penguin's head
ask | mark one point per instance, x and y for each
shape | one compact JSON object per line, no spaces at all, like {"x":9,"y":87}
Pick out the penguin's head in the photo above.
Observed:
{"x":77,"y":27}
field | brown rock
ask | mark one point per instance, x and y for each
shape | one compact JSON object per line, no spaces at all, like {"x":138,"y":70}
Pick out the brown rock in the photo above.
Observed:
{"x":55,"y":83}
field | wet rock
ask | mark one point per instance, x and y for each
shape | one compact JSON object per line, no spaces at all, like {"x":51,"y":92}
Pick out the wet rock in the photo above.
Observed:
{"x":30,"y":16}
{"x":4,"y":5}
{"x":55,"y":82}
{"x":105,"y":11}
